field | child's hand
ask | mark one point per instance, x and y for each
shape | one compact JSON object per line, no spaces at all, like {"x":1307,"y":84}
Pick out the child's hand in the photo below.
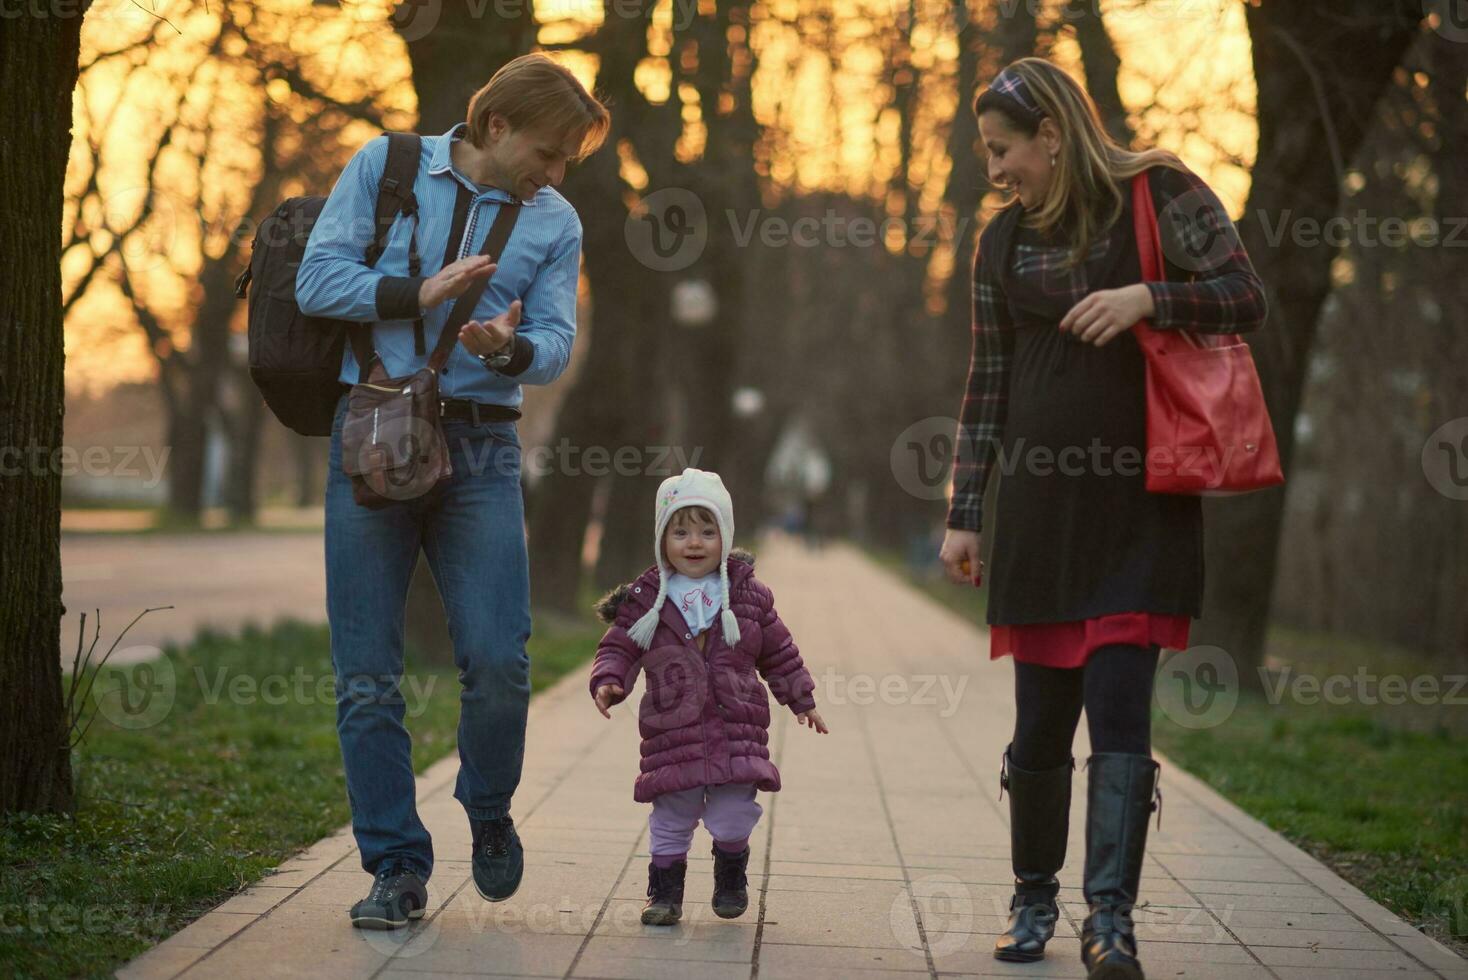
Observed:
{"x":813,"y":719}
{"x":606,"y":696}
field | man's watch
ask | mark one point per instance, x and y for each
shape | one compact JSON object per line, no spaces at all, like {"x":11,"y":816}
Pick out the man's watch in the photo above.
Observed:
{"x":500,"y":358}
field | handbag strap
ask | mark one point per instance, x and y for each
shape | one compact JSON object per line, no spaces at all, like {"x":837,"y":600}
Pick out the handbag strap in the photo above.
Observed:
{"x":1154,"y":269}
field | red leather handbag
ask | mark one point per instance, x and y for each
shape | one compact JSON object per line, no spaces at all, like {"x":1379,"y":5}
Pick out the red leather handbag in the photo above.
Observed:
{"x":1208,"y":429}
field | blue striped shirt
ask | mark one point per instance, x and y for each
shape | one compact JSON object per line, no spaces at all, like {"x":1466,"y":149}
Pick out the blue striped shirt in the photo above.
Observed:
{"x":540,"y":267}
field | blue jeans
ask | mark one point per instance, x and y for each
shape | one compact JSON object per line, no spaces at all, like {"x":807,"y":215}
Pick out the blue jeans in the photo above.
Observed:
{"x":472,"y":530}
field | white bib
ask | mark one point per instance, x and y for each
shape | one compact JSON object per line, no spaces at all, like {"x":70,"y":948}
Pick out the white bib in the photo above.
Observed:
{"x":698,"y":599}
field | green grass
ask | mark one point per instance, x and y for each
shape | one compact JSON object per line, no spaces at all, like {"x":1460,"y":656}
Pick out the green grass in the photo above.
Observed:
{"x":1378,"y":792}
{"x":174,"y":817}
{"x":1386,"y":808}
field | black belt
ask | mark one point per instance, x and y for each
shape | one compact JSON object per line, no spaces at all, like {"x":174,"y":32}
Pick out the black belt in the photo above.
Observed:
{"x":476,"y":412}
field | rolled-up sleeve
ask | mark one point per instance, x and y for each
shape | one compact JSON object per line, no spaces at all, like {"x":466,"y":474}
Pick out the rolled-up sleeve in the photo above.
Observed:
{"x":334,"y":279}
{"x":548,"y":313}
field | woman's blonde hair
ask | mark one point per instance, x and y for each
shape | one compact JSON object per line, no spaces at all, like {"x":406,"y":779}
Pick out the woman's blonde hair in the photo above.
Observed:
{"x":534,"y":92}
{"x":1085,"y":189}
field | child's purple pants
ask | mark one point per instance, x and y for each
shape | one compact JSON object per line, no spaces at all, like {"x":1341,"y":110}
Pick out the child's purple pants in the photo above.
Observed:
{"x":729,"y":812}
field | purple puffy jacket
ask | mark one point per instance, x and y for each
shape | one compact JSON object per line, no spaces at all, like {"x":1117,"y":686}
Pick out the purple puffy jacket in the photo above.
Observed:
{"x":705,"y":716}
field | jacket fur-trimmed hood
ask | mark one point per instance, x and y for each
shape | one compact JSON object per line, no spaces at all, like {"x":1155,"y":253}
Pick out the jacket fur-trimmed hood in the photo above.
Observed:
{"x":606,"y":606}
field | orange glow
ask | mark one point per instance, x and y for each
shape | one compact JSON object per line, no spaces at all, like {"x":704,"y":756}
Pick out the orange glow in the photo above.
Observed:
{"x":822,"y":90}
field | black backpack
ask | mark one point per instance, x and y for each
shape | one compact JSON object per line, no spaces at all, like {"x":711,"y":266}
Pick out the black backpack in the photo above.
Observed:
{"x":295,"y":359}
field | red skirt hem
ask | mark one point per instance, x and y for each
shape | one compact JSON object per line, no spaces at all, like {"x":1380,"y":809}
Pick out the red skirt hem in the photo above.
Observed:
{"x":1069,"y":644}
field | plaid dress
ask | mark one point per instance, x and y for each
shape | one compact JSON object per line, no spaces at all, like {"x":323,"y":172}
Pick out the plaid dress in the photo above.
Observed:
{"x":1080,"y":545}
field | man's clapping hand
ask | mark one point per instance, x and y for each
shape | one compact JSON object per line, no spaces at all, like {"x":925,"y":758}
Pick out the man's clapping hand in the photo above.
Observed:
{"x":451,"y":281}
{"x":488,"y":336}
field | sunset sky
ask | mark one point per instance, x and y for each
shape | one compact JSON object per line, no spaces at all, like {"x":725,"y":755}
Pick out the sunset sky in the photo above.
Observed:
{"x":825,"y":113}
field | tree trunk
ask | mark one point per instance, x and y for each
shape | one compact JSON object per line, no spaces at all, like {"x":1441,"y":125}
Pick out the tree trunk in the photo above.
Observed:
{"x":1100,"y":63}
{"x":609,"y":405}
{"x":310,"y":491}
{"x":38,"y":70}
{"x":247,"y":418}
{"x":187,"y":439}
{"x":454,"y":49}
{"x":725,"y":181}
{"x":1314,"y":106}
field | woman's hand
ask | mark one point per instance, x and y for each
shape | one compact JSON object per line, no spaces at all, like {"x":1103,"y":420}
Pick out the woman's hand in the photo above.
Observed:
{"x":606,"y":696}
{"x":960,"y":557}
{"x":1104,"y":314}
{"x":813,"y":719}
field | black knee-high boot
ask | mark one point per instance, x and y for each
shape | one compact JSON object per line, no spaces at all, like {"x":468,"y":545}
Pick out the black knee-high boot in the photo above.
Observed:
{"x":1119,"y":802}
{"x":1039,"y":819}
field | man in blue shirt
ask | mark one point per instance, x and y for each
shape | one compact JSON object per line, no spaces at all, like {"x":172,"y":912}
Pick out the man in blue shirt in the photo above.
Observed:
{"x":522,"y":130}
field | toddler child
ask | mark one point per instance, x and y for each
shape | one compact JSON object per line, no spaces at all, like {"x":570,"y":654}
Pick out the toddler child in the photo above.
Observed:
{"x":705,"y":716}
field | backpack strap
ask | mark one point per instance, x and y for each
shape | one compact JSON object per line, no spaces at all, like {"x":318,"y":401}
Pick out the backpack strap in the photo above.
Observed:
{"x":394,"y":196}
{"x":395,"y":190}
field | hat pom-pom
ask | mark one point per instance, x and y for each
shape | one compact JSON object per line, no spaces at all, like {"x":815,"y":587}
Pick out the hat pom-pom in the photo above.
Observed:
{"x":731,"y":627}
{"x":641,"y":631}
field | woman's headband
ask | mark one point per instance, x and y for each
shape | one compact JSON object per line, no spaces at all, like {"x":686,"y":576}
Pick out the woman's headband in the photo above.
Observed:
{"x":1012,"y":85}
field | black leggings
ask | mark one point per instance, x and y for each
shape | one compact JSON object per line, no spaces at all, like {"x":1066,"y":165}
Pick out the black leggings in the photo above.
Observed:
{"x":1115,"y":688}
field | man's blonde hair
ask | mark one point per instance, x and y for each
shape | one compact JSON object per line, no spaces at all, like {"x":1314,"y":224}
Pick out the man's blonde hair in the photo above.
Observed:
{"x":533,"y":92}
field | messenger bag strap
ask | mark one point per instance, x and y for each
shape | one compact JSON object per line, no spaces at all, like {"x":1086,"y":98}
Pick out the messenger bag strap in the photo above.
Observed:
{"x":494,"y":246}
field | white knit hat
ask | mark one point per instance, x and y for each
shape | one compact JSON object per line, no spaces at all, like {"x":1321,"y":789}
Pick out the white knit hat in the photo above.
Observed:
{"x":691,"y":488}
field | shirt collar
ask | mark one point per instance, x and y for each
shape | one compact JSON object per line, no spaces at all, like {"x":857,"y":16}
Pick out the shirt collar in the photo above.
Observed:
{"x":442,"y":162}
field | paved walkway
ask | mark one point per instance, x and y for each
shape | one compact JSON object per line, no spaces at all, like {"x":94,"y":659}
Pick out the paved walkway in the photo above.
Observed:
{"x":221,"y":581}
{"x":886,"y":853}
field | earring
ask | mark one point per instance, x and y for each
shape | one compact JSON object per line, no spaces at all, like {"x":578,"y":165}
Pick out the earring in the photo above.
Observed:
{"x":1052,"y":160}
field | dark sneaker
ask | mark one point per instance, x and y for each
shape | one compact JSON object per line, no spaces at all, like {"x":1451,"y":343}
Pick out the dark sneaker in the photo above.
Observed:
{"x":499,"y":860}
{"x":731,"y":894}
{"x":664,"y":894}
{"x":397,"y":896}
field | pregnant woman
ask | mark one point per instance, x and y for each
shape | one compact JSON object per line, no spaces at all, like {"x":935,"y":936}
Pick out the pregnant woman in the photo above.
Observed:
{"x":1092,"y":574}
